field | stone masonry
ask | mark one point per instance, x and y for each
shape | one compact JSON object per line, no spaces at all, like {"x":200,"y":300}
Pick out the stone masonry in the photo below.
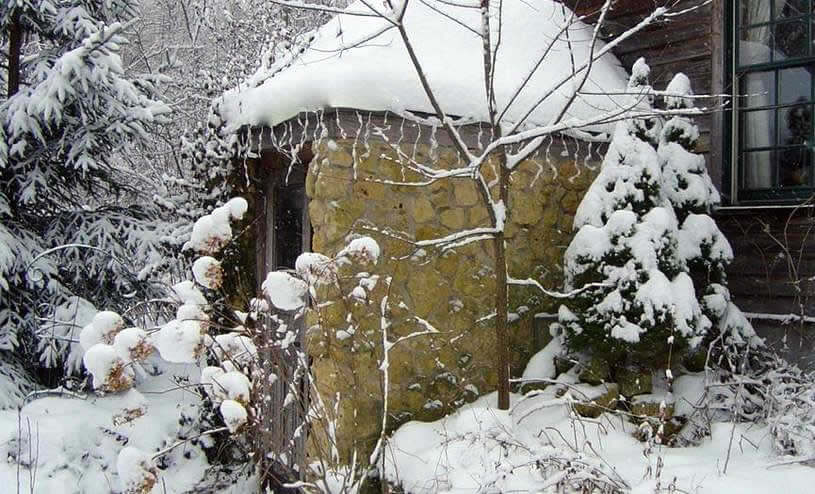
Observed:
{"x":432,"y":374}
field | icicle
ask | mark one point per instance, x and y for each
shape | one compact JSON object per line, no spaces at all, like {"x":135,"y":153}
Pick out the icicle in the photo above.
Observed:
{"x":549,"y":158}
{"x":340,"y":129}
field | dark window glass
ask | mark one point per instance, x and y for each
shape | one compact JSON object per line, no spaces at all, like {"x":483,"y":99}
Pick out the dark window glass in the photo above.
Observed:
{"x":785,"y":9}
{"x":790,"y":40}
{"x":774,"y":78}
{"x":289,"y":211}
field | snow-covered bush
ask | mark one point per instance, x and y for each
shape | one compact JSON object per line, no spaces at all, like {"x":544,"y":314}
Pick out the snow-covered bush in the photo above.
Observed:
{"x":640,"y":298}
{"x":790,"y":409}
{"x":646,"y":247}
{"x":118,"y":358}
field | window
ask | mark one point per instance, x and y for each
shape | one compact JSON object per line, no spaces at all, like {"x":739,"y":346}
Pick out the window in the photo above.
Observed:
{"x":773,"y":67}
{"x":287,"y":226}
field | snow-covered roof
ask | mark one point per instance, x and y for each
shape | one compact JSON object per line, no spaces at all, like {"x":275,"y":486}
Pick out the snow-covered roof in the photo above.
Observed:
{"x":357,"y":62}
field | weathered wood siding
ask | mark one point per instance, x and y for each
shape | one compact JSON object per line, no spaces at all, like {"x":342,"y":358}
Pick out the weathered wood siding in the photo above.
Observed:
{"x":681,"y":44}
{"x":774,"y":273}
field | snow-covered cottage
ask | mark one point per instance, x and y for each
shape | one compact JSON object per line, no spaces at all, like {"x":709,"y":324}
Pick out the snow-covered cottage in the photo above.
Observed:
{"x":351,"y":144}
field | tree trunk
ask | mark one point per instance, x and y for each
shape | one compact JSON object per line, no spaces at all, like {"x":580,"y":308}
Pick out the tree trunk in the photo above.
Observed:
{"x":15,"y":47}
{"x":501,"y":286}
{"x":501,"y":337}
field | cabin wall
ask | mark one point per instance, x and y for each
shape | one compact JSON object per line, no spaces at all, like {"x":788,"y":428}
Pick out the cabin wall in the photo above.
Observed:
{"x":762,"y":276}
{"x":772,"y":276}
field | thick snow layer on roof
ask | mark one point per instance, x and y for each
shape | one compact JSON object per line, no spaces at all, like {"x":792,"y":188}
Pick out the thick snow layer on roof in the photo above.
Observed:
{"x":359,"y":62}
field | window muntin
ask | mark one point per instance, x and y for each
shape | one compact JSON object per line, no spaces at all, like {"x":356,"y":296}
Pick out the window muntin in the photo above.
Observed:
{"x":774,"y":69}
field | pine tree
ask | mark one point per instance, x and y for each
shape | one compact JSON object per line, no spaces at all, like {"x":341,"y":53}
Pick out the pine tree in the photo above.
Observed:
{"x":67,"y":117}
{"x":628,"y":245}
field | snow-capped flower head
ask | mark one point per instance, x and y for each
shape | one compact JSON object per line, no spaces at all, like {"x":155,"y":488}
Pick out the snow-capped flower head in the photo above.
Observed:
{"x":180,"y":340}
{"x":131,"y":405}
{"x":235,"y":347}
{"x":315,"y":268}
{"x":133,"y":343}
{"x":285,"y":291}
{"x":107,"y":324}
{"x":137,"y":473}
{"x":190,"y":312}
{"x":213,"y":231}
{"x":234,"y":414}
{"x":237,"y":207}
{"x":109,"y":370}
{"x":208,"y":272}
{"x":187,"y":293}
{"x":232,"y":385}
{"x":363,"y":250}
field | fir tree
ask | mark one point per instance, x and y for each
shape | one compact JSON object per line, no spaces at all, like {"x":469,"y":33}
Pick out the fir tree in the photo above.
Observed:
{"x":68,"y":115}
{"x":628,"y":245}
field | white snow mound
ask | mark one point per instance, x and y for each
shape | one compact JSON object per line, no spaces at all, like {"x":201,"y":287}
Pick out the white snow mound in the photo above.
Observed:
{"x":285,"y":291}
{"x":361,"y":62}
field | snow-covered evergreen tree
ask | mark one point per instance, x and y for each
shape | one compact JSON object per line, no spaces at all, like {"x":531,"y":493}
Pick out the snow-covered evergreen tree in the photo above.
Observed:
{"x":67,"y":116}
{"x":702,"y":246}
{"x":628,"y":246}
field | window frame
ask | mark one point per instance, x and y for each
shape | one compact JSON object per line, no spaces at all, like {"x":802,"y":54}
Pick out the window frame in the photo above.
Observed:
{"x":275,"y":170}
{"x":732,"y":178}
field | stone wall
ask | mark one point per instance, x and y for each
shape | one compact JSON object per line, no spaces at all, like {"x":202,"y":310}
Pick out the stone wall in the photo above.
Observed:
{"x":430,"y":374}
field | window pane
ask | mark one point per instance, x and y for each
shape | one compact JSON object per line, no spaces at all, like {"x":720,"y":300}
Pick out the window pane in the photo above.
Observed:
{"x":757,"y":172}
{"x":758,"y":129}
{"x":795,"y":166}
{"x":795,"y":125}
{"x":794,"y":85}
{"x":755,"y":46}
{"x":289,"y":208}
{"x":790,"y":40}
{"x":754,"y":11}
{"x":758,"y":89}
{"x":791,"y":8}
{"x":812,"y":37}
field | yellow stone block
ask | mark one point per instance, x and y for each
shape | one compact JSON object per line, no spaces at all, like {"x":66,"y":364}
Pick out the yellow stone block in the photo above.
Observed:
{"x":465,"y":192}
{"x":454,"y":219}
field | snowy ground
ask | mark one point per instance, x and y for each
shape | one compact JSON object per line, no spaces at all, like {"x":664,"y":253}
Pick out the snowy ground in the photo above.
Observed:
{"x":537,"y":446}
{"x":70,"y":445}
